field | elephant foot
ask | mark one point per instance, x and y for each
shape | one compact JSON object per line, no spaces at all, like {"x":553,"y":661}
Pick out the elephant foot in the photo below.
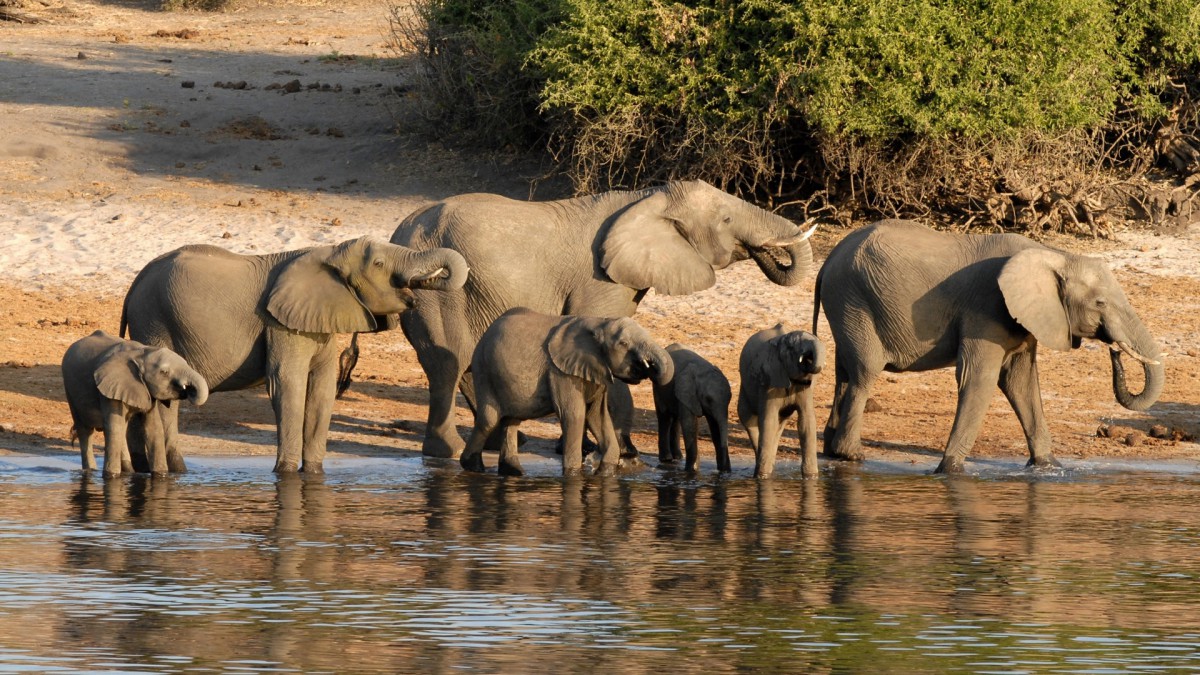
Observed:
{"x":473,"y":463}
{"x":1047,"y":461}
{"x":175,"y":463}
{"x":313,"y":468}
{"x":856,"y":455}
{"x":763,"y":474}
{"x":951,"y":465}
{"x":286,"y":466}
{"x":110,"y":475}
{"x":628,"y":449}
{"x":433,"y":446}
{"x":510,"y":468}
{"x":606,"y":469}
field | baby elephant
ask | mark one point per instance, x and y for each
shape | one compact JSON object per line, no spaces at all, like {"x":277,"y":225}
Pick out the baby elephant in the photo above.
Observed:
{"x":698,"y":389}
{"x":116,"y":386}
{"x":777,"y":370}
{"x":528,"y":365}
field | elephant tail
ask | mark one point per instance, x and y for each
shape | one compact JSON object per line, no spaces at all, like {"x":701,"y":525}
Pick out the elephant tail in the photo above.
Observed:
{"x":817,"y":300}
{"x":124,"y":321}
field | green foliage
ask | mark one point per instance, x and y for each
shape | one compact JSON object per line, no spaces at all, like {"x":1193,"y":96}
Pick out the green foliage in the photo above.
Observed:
{"x":755,"y":94}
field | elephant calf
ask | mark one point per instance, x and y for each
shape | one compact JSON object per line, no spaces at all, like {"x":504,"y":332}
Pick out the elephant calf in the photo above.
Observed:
{"x":528,"y":365}
{"x":698,"y":389}
{"x":777,"y":368}
{"x":116,"y":386}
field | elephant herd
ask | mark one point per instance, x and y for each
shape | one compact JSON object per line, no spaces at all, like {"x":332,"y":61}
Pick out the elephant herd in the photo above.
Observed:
{"x":524,"y":308}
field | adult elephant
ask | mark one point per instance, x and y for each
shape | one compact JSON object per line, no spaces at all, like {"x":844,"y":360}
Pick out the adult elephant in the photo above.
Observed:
{"x":595,"y":255}
{"x":241,"y":320}
{"x":901,"y":297}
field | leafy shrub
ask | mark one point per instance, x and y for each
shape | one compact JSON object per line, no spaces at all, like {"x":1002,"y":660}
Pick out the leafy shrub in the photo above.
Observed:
{"x":887,"y":106}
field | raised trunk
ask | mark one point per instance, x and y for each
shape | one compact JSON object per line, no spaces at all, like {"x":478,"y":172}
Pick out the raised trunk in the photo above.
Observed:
{"x":1140,"y":341}
{"x":787,"y":273}
{"x":438,"y":269}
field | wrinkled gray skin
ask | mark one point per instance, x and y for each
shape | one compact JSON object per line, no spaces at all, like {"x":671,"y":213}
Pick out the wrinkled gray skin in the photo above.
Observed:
{"x":593,"y":256}
{"x":528,"y":365}
{"x":777,"y":368}
{"x":698,"y":389}
{"x":901,"y":297}
{"x":241,"y":320}
{"x":113,"y":385}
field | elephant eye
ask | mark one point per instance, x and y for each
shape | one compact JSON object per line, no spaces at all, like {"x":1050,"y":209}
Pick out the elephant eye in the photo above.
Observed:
{"x":378,"y":262}
{"x":1101,"y":302}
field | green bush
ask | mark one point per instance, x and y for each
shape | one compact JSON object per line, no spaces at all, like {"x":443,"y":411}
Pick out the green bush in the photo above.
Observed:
{"x":781,"y":96}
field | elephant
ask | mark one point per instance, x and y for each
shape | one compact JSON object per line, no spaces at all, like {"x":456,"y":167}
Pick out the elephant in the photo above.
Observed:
{"x":595,"y":255}
{"x":115,"y":385}
{"x":528,"y":365}
{"x":777,"y":368}
{"x":241,"y":320}
{"x":901,"y":297}
{"x":698,"y":389}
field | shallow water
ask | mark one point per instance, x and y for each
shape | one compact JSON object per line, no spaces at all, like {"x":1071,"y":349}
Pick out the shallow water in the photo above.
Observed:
{"x":408,"y":565}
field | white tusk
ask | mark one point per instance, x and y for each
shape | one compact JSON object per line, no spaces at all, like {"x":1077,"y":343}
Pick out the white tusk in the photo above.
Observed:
{"x":783,"y":243}
{"x":1125,"y":347}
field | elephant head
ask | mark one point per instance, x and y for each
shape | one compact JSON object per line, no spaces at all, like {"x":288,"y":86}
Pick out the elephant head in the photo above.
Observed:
{"x":599,"y":350}
{"x":138,"y":375}
{"x":673,"y":239}
{"x":1062,"y":298}
{"x":791,"y":359}
{"x":359,"y":285}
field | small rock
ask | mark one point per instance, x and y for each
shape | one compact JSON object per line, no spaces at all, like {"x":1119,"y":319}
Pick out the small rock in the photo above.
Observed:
{"x":292,"y":87}
{"x":1192,"y":353}
{"x":1160,"y":431}
{"x":1135,"y":438}
{"x":188,"y":84}
{"x":7,"y":427}
{"x":226,"y":235}
{"x":1104,"y":431}
{"x":336,"y":222}
{"x":335,"y":132}
{"x":81,"y":56}
{"x":872,"y":406}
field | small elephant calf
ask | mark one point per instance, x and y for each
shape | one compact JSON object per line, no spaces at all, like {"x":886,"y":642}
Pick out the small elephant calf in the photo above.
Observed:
{"x":117,"y":386}
{"x":528,"y":365}
{"x":777,"y":368}
{"x":698,"y":389}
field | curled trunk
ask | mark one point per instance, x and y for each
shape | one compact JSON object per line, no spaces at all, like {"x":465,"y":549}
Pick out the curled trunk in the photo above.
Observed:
{"x":790,"y":272}
{"x":196,"y":388}
{"x":1141,"y":344}
{"x":439,"y":269}
{"x":661,"y":365}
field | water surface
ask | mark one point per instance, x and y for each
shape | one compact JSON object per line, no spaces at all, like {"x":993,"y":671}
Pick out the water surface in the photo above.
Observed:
{"x":411,"y":565}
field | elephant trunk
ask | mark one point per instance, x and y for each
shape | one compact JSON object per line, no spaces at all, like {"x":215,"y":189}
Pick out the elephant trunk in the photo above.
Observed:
{"x":439,"y":269}
{"x":1141,"y":347}
{"x":195,"y":388}
{"x":770,"y":238}
{"x":660,"y":364}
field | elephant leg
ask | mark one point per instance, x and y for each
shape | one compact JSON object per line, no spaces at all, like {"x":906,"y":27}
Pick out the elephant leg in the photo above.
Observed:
{"x":318,"y":408}
{"x":806,"y":430}
{"x":835,"y":420}
{"x":620,"y":408}
{"x":87,"y":457}
{"x":572,"y":418}
{"x":1019,"y":382}
{"x":665,"y":433}
{"x":487,"y":420}
{"x":287,"y":385}
{"x":769,"y":433}
{"x":510,"y":464}
{"x":610,"y":444}
{"x":115,"y":443}
{"x":688,"y":427}
{"x":748,"y":417}
{"x":851,"y":400}
{"x":717,"y":429}
{"x":443,"y":363}
{"x":168,"y":414}
{"x":154,"y":447}
{"x":978,"y":373}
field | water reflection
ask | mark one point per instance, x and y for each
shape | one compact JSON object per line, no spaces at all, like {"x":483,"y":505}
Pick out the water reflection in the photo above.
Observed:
{"x":397,"y":566}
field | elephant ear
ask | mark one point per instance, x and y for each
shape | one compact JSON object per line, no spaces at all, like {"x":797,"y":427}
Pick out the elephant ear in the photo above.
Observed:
{"x":1031,"y":282}
{"x":309,"y":295}
{"x":774,"y":371}
{"x":644,"y":249}
{"x":119,"y":378}
{"x":575,"y":350}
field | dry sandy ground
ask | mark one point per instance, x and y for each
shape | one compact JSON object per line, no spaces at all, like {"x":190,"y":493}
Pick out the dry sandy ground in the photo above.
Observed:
{"x":127,"y":131}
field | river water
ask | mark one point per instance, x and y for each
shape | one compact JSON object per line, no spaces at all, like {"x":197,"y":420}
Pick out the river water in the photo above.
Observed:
{"x":409,"y":565}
